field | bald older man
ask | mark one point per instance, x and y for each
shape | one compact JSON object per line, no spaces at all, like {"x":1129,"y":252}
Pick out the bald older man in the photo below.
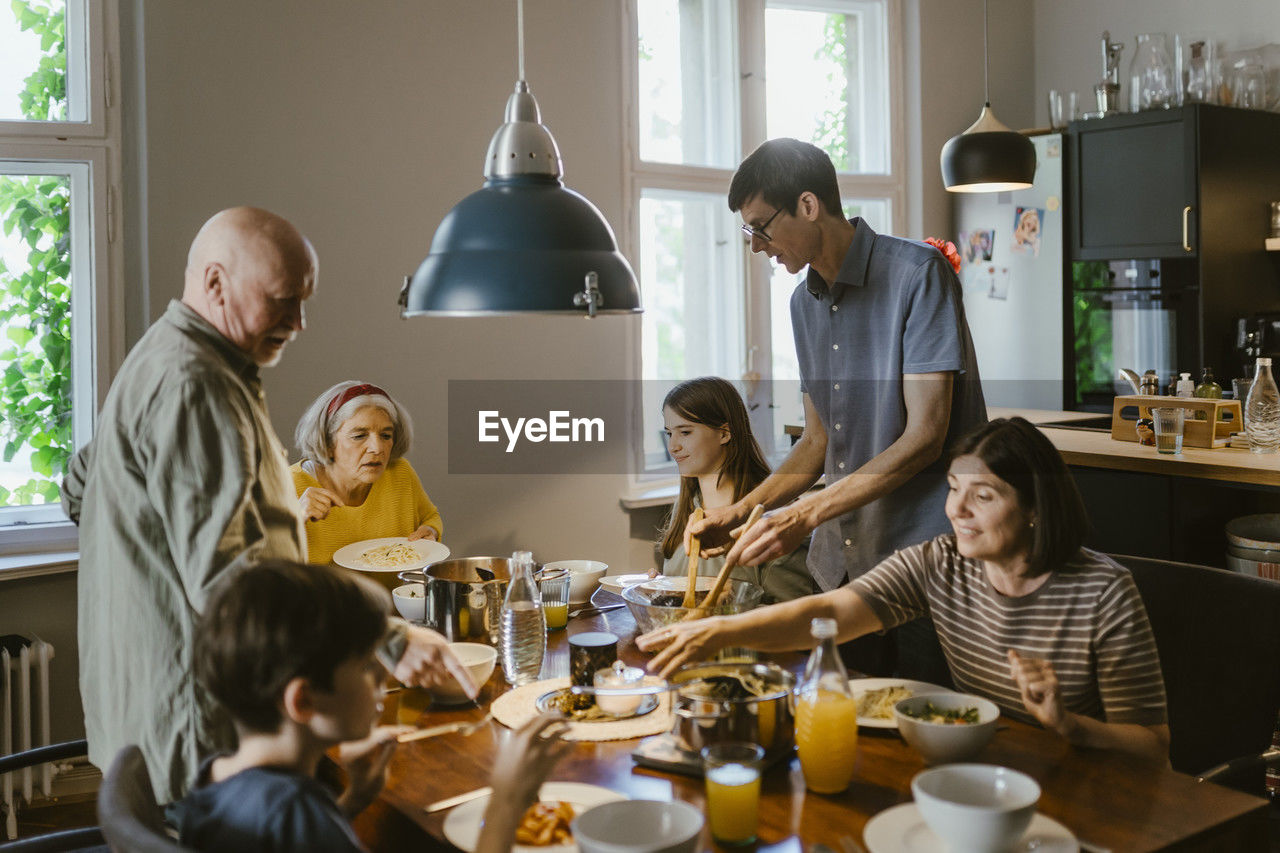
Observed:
{"x":184,"y":480}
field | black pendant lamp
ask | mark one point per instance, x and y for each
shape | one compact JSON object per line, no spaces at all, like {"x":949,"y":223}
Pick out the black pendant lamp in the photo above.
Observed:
{"x":523,"y":243}
{"x":988,"y":156}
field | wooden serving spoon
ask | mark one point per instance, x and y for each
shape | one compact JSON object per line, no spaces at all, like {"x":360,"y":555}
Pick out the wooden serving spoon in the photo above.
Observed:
{"x":723,"y":578}
{"x":695,"y":545}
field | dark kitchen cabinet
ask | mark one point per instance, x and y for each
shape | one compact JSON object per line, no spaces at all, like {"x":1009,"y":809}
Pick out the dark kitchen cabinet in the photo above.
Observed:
{"x":1184,"y":191}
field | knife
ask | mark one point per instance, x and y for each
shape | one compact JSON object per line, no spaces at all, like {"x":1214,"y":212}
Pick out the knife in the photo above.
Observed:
{"x":449,"y":803}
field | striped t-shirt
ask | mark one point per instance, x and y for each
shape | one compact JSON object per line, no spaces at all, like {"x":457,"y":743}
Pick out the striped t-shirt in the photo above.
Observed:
{"x":1086,"y":619}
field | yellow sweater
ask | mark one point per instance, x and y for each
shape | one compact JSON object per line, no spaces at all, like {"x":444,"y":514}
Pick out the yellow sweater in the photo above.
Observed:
{"x":396,"y":506}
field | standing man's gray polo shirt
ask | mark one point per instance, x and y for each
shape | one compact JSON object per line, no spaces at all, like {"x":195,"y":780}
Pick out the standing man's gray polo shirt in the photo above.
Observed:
{"x":895,"y":308}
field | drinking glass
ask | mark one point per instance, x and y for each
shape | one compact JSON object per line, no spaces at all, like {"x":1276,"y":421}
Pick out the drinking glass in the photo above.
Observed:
{"x":554,"y":588}
{"x":732,"y":771}
{"x":1055,"y":110}
{"x":1169,"y":422}
{"x":1063,"y":109}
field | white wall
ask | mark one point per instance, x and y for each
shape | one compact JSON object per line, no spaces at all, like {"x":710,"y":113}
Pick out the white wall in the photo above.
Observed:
{"x":364,"y":124}
{"x":1068,"y":53}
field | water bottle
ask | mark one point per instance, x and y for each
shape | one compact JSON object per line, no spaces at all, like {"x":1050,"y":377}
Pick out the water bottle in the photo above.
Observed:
{"x":1262,"y":411}
{"x":524,"y":626}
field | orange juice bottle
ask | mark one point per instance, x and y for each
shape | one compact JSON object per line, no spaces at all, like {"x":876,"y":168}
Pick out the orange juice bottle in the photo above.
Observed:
{"x":826,"y":716}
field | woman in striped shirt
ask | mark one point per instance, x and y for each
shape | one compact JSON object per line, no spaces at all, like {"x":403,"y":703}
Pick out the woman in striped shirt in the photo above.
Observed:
{"x":1047,"y":629}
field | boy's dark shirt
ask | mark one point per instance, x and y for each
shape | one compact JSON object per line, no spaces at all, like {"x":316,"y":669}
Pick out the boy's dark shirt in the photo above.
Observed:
{"x":261,"y":810}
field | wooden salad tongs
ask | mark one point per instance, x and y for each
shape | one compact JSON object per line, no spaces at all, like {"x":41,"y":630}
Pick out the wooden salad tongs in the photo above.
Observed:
{"x":694,"y":547}
{"x":713,"y":596}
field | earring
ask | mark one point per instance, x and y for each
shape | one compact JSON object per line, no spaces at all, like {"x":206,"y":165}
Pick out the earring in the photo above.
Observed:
{"x":1031,"y":524}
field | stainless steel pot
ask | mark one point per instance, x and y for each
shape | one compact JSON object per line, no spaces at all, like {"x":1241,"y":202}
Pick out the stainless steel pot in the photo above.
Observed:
{"x":768,"y":719}
{"x":464,"y":597}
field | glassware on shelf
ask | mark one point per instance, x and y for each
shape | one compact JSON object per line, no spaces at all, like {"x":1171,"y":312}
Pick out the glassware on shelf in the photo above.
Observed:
{"x":1151,"y":83}
{"x":1199,"y":70}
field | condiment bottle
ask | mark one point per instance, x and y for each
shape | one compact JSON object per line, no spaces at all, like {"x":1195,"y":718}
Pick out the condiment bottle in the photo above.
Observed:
{"x":1208,"y":388}
{"x":1150,"y":384}
{"x":524,"y":626}
{"x":826,"y":716}
{"x":1186,"y":388}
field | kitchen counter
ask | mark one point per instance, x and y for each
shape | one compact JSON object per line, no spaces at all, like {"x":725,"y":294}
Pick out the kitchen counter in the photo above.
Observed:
{"x":1089,"y":449}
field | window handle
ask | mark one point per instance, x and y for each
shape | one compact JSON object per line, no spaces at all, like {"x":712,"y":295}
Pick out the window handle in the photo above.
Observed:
{"x":1186,"y":229}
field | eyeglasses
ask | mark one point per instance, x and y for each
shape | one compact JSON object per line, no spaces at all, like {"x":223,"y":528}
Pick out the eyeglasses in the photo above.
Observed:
{"x":752,"y":232}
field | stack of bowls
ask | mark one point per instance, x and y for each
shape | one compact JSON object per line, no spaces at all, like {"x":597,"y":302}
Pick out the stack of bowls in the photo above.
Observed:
{"x":1253,"y":545}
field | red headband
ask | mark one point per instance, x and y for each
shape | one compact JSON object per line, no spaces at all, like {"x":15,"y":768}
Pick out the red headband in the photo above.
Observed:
{"x":350,"y":394}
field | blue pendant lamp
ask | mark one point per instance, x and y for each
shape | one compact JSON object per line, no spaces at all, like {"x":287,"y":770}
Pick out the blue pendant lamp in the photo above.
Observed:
{"x":523,"y":243}
{"x":988,"y":156}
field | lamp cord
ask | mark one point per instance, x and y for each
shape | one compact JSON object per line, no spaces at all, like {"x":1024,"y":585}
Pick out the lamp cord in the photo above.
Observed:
{"x":986,"y":58}
{"x":520,"y":37}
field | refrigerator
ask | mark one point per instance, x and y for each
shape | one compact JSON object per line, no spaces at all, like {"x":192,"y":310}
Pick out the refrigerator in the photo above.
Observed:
{"x":1011,"y":247}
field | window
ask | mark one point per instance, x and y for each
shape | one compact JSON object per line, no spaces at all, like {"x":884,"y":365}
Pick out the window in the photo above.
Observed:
{"x":712,"y":79}
{"x":58,"y":144}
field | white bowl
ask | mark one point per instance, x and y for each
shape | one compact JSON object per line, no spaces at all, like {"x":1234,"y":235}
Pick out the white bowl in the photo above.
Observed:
{"x":410,"y":601}
{"x":942,"y":743}
{"x":583,"y":577}
{"x":976,"y":807}
{"x":617,"y":583}
{"x":638,"y":826}
{"x":479,"y":660}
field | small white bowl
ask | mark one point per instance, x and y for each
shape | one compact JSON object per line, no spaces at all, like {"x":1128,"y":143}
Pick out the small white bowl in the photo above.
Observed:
{"x":479,"y":660}
{"x":584,"y":575}
{"x":976,"y":807}
{"x":410,"y":601}
{"x":943,"y":743}
{"x":638,"y":826}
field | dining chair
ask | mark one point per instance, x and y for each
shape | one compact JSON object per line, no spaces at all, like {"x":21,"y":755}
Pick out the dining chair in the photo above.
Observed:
{"x":80,"y":838}
{"x":1218,"y":636}
{"x":131,"y":818}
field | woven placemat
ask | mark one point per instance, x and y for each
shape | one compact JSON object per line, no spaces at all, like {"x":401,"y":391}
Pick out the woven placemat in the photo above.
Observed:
{"x":516,"y":707}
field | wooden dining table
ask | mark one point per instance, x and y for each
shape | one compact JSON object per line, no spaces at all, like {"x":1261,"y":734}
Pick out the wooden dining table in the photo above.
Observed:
{"x":1108,"y":800}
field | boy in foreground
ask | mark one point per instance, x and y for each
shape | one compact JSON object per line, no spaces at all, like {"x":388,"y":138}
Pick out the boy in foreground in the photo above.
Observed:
{"x":289,"y":651}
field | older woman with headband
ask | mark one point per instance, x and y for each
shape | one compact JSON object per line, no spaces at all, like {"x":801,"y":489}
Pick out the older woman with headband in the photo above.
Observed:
{"x":353,"y":482}
{"x":1048,"y":630}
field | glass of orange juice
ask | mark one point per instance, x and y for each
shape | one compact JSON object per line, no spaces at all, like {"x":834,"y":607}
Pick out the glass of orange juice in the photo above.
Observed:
{"x":732,"y":771}
{"x":554,"y":587}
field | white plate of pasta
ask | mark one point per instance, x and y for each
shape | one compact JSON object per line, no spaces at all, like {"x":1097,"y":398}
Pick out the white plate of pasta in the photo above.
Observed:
{"x":877,"y":696}
{"x":462,"y":826}
{"x":390,"y":554}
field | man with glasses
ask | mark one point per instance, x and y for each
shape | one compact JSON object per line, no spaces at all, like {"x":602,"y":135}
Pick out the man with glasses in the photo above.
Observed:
{"x":889,"y":380}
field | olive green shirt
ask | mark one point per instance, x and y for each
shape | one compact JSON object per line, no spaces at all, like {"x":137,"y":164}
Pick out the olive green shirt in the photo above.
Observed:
{"x":184,"y":479}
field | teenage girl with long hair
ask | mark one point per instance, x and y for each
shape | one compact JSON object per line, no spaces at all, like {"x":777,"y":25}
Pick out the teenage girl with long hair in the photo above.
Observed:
{"x":709,"y":437}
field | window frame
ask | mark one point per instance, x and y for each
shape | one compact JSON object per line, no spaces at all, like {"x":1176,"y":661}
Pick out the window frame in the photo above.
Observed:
{"x":90,"y":151}
{"x":641,"y":175}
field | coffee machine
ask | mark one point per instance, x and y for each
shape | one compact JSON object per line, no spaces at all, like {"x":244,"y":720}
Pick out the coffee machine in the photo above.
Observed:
{"x":1257,"y":337}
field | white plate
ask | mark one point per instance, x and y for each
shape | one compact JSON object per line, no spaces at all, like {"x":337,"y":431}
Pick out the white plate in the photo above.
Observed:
{"x":901,"y":829}
{"x":462,"y":826}
{"x":429,"y":551}
{"x":616,"y":583}
{"x":862,"y":685}
{"x":679,"y":584}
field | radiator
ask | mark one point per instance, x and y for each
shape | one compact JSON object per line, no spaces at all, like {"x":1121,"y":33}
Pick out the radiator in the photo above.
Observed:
{"x":25,"y":667}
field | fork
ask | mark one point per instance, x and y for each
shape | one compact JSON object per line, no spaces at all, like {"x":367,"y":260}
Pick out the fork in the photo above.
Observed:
{"x":462,"y":728}
{"x":849,"y":845}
